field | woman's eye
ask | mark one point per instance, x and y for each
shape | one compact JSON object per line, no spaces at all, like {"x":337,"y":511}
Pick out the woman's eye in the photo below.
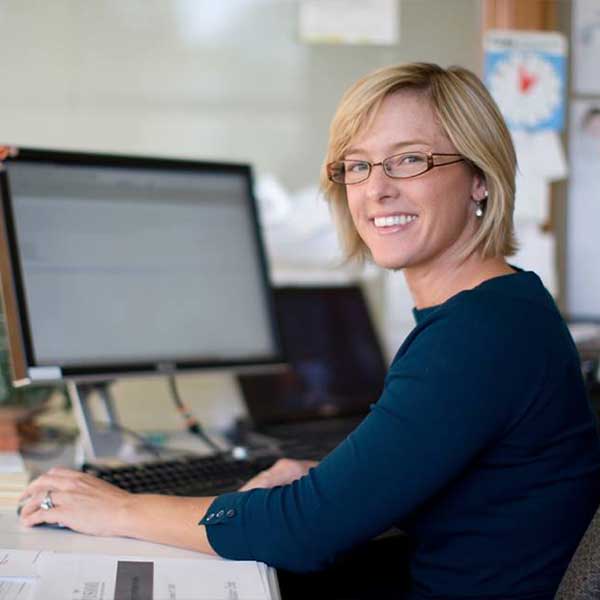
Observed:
{"x":402,"y":161}
{"x":409,"y":159}
{"x":358,"y":167}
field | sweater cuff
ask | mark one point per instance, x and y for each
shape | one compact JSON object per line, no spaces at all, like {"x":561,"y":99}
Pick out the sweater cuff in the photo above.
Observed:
{"x":225,"y":526}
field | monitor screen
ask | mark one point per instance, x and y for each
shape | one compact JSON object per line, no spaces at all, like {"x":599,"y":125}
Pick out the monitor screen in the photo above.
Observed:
{"x":133,"y":264}
{"x":336,"y":363}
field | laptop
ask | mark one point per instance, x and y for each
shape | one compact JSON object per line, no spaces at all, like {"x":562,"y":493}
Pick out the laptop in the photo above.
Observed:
{"x":336,"y":371}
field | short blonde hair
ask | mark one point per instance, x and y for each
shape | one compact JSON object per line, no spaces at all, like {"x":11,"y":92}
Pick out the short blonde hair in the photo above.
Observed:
{"x":472,"y":121}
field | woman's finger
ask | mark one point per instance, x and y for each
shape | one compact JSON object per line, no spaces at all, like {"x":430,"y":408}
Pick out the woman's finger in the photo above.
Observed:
{"x":41,"y":484}
{"x":284,"y":471}
{"x":57,"y":478}
{"x":52,"y":516}
{"x":30,"y":505}
{"x":34,"y":504}
{"x":261,"y":480}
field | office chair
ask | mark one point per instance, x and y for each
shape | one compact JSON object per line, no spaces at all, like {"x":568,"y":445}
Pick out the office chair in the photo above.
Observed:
{"x":581,"y":580}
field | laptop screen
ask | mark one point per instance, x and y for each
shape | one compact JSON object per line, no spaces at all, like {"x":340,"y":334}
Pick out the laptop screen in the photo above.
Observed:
{"x":337,"y":367}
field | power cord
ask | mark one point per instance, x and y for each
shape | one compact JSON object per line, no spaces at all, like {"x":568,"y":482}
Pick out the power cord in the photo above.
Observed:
{"x":192,"y":424}
{"x":145,"y":444}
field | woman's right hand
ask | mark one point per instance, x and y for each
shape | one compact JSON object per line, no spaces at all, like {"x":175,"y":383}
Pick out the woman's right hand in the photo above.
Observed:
{"x":284,"y":471}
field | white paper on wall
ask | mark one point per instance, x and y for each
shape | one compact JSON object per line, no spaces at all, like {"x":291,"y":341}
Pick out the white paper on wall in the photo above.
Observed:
{"x":583,"y":211}
{"x":526,"y":73}
{"x":541,"y":160}
{"x":537,"y":252}
{"x":398,"y":317}
{"x":344,"y":22}
{"x":586,"y":46}
{"x":300,"y":237}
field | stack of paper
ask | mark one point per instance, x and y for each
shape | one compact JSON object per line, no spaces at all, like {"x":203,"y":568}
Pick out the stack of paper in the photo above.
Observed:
{"x":34,"y":575}
{"x":13,"y":478}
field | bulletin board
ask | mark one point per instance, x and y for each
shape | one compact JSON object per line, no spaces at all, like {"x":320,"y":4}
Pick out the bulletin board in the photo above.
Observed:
{"x":583,"y":206}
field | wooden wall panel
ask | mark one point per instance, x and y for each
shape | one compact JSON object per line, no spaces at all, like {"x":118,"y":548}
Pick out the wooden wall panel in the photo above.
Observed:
{"x":519,"y":14}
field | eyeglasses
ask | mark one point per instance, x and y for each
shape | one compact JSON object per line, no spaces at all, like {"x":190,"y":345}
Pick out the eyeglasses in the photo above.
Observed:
{"x":399,"y":166}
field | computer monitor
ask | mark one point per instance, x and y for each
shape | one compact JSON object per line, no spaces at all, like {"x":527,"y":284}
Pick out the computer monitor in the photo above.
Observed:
{"x":337,"y":366}
{"x":115,"y":265}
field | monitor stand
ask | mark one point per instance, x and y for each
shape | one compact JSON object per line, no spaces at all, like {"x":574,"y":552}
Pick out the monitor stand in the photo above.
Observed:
{"x":101,"y":439}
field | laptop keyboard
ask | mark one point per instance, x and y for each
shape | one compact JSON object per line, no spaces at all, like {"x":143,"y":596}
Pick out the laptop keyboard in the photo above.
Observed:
{"x":191,"y":475}
{"x":184,"y":476}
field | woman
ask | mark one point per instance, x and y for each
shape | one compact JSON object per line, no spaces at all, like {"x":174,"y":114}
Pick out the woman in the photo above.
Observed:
{"x":482,"y":446}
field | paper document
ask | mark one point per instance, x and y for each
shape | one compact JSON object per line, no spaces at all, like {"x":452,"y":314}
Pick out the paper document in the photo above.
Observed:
{"x":18,"y":574}
{"x":19,"y":563}
{"x":27,"y":575}
{"x":16,"y":589}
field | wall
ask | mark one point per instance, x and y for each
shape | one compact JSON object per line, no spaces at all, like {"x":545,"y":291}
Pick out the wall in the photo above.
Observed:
{"x":198,"y":78}
{"x":225,"y":80}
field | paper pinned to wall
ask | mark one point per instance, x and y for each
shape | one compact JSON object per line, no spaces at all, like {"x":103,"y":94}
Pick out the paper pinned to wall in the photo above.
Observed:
{"x":526,"y":73}
{"x":532,"y":200}
{"x":300,"y":237}
{"x":398,"y":317}
{"x":537,"y":251}
{"x":343,"y":22}
{"x":586,"y":46}
{"x":540,"y":155}
{"x":583,"y":211}
{"x":541,"y":160}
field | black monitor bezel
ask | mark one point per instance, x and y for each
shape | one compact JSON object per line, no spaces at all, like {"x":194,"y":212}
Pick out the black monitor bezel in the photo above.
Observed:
{"x":106,"y":371}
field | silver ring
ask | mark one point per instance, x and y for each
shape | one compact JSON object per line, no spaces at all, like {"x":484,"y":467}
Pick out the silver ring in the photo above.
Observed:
{"x":46,"y":503}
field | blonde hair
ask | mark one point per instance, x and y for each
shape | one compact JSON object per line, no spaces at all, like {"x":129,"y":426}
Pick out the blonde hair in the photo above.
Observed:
{"x":470,"y":118}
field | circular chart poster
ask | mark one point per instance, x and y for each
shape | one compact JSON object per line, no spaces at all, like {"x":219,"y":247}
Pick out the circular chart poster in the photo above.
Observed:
{"x":525,"y":72}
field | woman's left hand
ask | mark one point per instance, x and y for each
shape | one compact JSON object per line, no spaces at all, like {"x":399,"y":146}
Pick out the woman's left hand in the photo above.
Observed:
{"x":80,"y":501}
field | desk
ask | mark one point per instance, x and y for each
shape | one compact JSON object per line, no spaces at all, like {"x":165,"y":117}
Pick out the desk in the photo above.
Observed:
{"x":377,"y":569}
{"x":15,"y":536}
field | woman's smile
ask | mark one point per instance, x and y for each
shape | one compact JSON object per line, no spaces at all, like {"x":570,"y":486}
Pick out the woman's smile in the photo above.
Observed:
{"x":393,"y":223}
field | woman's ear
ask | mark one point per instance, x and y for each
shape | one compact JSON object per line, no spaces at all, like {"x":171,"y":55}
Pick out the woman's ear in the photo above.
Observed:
{"x":479,"y":189}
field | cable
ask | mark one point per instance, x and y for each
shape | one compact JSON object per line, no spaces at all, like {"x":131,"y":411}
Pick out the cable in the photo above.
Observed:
{"x":192,"y":424}
{"x":145,"y":444}
{"x":157,"y":450}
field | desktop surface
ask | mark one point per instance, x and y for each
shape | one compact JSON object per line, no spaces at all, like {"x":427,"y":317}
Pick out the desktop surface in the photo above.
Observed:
{"x":374,"y":570}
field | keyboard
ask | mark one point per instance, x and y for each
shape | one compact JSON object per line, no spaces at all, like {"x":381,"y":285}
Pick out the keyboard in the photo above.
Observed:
{"x":187,"y":475}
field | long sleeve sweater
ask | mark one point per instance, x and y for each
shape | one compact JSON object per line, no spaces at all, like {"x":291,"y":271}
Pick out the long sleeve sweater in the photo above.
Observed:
{"x":482,"y":447}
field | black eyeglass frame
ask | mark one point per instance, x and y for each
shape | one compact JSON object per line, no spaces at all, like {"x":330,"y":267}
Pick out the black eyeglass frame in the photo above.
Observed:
{"x":430,"y":165}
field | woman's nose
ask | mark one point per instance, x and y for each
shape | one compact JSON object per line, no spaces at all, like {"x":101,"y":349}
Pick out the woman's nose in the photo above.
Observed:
{"x":379,"y":185}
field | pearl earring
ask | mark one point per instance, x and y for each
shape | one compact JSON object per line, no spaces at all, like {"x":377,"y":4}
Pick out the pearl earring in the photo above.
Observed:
{"x":479,"y":209}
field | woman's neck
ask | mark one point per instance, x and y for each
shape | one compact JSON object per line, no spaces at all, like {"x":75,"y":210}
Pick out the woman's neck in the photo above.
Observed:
{"x":433,"y":285}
